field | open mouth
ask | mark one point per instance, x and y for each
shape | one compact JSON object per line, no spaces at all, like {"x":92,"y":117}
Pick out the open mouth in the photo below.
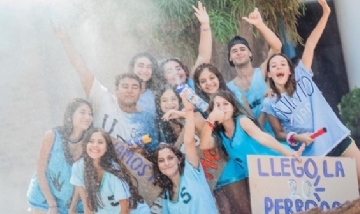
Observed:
{"x":280,"y":75}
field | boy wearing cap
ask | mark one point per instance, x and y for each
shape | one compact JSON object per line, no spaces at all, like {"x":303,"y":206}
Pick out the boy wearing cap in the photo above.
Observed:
{"x":249,"y":85}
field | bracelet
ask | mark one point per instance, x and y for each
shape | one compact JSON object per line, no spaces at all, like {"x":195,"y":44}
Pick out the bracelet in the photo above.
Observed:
{"x":210,"y":124}
{"x":205,"y":29}
{"x":290,"y":139}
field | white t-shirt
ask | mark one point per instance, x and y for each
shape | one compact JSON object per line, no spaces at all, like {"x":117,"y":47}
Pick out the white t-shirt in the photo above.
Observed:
{"x":119,"y":124}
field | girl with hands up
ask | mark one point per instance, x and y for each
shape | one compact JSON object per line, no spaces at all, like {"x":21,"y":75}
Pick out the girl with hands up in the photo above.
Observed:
{"x":240,"y":135}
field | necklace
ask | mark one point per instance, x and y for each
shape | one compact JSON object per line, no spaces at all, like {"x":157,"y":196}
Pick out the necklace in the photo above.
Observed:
{"x":77,"y":141}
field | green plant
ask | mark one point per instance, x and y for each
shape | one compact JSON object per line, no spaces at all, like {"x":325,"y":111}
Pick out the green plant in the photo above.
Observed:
{"x":349,"y":109}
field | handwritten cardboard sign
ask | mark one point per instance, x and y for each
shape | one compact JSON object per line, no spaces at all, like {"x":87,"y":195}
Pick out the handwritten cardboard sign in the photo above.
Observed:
{"x":141,"y":169}
{"x":282,"y":185}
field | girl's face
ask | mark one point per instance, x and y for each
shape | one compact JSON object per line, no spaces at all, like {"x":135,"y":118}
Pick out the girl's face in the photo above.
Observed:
{"x":279,"y":70}
{"x":171,"y":69}
{"x":169,"y":101}
{"x":208,"y":82}
{"x":96,"y":147}
{"x":143,"y":68}
{"x":168,"y":163}
{"x":222,"y":104}
{"x":82,"y":117}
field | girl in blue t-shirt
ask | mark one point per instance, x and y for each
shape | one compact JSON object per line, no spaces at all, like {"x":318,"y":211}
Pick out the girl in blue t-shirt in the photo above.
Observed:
{"x":50,"y":190}
{"x":145,"y":66}
{"x":239,"y":132}
{"x":299,"y":108}
{"x":231,"y":191}
{"x":102,"y":180}
{"x":181,"y":177}
{"x":171,"y":66}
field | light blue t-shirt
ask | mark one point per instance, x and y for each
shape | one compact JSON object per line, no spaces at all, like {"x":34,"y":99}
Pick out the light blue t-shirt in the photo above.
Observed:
{"x":112,"y":190}
{"x":194,"y":195}
{"x":147,"y":102}
{"x":57,"y":174}
{"x":307,"y":111}
{"x":241,"y":144}
{"x":254,"y":96}
{"x":119,"y":124}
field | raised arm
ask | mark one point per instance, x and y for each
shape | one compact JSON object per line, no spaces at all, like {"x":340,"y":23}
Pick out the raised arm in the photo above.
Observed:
{"x":205,"y":45}
{"x":42,"y":164}
{"x":189,"y":133}
{"x":274,"y":42}
{"x":315,"y":35}
{"x":86,"y":77}
{"x":265,"y":139}
{"x":207,"y":141}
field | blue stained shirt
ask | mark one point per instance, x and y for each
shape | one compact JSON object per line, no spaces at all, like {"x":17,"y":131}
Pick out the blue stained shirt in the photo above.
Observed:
{"x":119,"y":124}
{"x":112,"y":190}
{"x":241,"y":144}
{"x":58,"y":173}
{"x":307,"y":111}
{"x":254,"y":96}
{"x":147,"y":102}
{"x":194,"y":195}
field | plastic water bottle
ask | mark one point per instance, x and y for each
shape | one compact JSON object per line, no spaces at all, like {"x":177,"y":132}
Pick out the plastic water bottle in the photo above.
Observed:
{"x":193,"y":97}
{"x":139,"y":141}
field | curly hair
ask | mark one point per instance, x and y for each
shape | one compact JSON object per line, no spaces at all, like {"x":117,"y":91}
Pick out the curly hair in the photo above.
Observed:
{"x":164,"y":127}
{"x":160,"y":179}
{"x":290,"y":85}
{"x":238,"y":109}
{"x":156,"y":77}
{"x":173,"y":59}
{"x":215,"y":71}
{"x":109,"y":162}
{"x":67,"y":128}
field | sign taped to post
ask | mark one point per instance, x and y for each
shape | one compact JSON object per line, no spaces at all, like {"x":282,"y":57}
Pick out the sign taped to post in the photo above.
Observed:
{"x":282,"y":185}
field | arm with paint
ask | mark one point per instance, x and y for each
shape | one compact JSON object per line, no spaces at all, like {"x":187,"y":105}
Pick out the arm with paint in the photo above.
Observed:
{"x":189,"y":133}
{"x":205,"y":45}
{"x":315,"y":35}
{"x":176,"y":114}
{"x":42,"y":163}
{"x":265,"y":139}
{"x":86,"y":77}
{"x":274,"y":42}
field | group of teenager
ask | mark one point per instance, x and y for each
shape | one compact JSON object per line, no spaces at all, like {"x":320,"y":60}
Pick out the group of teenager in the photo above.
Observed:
{"x":269,"y":110}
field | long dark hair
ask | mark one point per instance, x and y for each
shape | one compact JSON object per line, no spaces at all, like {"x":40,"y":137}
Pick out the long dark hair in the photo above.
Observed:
{"x":160,"y":179}
{"x":174,"y":59}
{"x":67,"y":128}
{"x":110,"y":163}
{"x":164,"y":128}
{"x":238,"y":109}
{"x":156,"y":77}
{"x":290,"y":85}
{"x":215,"y":71}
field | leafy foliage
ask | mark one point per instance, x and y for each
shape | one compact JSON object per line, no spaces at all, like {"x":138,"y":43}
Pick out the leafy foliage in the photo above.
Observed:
{"x":224,"y":19}
{"x":171,"y":27}
{"x":350,"y":111}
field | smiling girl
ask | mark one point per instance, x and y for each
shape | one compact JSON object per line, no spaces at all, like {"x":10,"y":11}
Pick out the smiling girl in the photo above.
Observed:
{"x":181,"y":177}
{"x":299,"y":108}
{"x":102,"y":180}
{"x":231,"y":189}
{"x":50,"y":190}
